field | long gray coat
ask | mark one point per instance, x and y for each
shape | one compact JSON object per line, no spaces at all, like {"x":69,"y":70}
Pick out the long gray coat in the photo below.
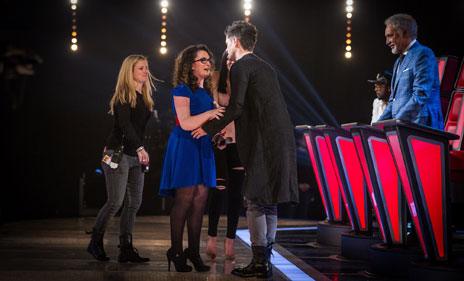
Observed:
{"x":264,"y":132}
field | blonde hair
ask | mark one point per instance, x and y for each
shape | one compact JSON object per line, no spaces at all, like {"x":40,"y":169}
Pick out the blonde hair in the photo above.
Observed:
{"x":125,"y":86}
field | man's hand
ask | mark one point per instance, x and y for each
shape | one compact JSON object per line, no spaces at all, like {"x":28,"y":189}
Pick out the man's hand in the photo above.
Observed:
{"x":198,"y":133}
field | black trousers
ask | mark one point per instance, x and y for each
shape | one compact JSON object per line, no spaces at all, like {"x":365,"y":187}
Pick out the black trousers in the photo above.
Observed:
{"x":228,"y":176}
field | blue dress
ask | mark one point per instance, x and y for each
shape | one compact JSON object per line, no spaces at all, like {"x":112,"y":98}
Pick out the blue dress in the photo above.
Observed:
{"x":188,"y":161}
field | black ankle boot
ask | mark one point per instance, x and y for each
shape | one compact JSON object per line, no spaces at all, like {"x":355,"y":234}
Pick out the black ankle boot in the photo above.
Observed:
{"x":195,"y":258}
{"x":95,"y":247}
{"x":266,"y":271}
{"x":179,"y":259}
{"x":127,"y":252}
{"x":258,"y":267}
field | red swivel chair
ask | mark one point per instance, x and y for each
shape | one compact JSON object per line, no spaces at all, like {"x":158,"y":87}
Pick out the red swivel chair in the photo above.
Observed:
{"x":460,"y":79}
{"x":455,"y":124}
{"x":447,"y":69}
{"x":330,"y":231}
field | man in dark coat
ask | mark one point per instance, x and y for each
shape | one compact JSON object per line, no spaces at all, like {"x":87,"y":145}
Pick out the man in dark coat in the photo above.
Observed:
{"x":265,"y":143}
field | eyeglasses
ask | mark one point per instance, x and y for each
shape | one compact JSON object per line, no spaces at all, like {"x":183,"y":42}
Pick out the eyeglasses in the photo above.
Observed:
{"x":203,"y":60}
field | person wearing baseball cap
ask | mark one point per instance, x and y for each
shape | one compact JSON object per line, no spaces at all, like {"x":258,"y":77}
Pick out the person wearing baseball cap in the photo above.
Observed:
{"x":382,"y":90}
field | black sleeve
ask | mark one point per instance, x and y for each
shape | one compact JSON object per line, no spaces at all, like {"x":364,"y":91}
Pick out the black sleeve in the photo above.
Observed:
{"x":128,"y":131}
{"x":239,"y":77}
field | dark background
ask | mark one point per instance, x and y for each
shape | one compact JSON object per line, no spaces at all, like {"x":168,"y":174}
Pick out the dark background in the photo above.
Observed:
{"x":56,"y":136}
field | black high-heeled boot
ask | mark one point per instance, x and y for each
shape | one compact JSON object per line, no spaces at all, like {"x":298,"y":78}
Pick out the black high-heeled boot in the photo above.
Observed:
{"x":127,"y":252}
{"x":95,"y":247}
{"x":195,"y":258}
{"x":179,"y":259}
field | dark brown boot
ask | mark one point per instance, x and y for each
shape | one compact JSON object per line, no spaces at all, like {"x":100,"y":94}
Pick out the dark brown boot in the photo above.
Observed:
{"x":127,"y":252}
{"x":95,"y":247}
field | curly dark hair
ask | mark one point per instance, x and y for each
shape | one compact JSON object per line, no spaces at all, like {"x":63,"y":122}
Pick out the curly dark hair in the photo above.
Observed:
{"x":183,"y":73}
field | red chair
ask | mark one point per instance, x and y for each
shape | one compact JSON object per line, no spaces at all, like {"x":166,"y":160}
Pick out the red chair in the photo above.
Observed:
{"x":383,"y":183}
{"x":455,"y":124}
{"x":460,"y":79}
{"x":350,"y":177}
{"x":325,"y":176}
{"x":447,"y":69}
{"x":422,"y":155}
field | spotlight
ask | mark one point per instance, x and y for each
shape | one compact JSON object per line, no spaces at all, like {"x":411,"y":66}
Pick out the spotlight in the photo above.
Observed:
{"x":73,"y":25}
{"x":163,"y":43}
{"x":349,"y":14}
{"x":247,"y":6}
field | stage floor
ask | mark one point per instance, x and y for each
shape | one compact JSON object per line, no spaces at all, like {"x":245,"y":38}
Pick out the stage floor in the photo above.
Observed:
{"x":55,"y":249}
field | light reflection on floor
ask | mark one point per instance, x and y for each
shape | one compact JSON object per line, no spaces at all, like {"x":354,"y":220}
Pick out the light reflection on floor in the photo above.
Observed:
{"x":291,"y":271}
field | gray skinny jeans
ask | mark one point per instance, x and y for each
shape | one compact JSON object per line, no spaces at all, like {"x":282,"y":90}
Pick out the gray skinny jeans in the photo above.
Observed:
{"x":262,"y":223}
{"x":123,"y":185}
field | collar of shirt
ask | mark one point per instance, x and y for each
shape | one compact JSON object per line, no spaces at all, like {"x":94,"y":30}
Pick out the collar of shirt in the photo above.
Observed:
{"x":409,"y":46}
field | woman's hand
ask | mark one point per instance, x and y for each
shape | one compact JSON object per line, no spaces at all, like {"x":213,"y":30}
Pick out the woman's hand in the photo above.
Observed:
{"x":216,"y":113}
{"x":198,"y":133}
{"x":144,"y":159}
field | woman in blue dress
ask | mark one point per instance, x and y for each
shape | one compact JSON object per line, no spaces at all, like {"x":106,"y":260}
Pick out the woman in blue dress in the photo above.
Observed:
{"x":189,"y":166}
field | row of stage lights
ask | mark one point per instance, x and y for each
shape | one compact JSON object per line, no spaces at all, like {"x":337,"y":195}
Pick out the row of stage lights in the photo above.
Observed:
{"x":247,"y":9}
{"x":164,"y":10}
{"x":349,"y":15}
{"x":73,"y":7}
{"x":247,"y":6}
